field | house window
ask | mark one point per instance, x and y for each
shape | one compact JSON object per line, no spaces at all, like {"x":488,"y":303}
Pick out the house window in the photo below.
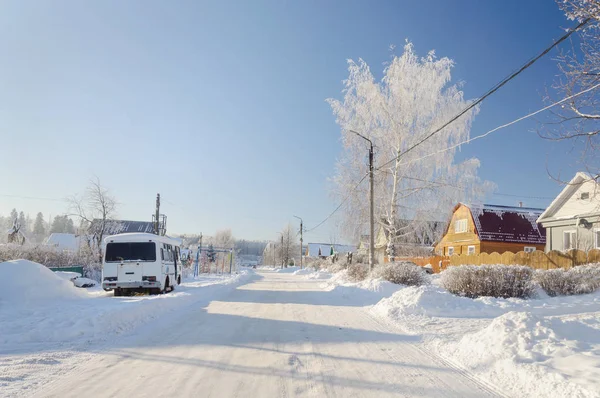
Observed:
{"x":460,"y":226}
{"x":450,"y":251}
{"x":585,"y":195}
{"x":529,"y":249}
{"x":470,"y":250}
{"x":569,"y":238}
{"x":597,"y":237}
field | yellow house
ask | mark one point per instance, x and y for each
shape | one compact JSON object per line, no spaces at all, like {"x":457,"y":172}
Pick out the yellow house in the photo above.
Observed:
{"x":492,"y":228}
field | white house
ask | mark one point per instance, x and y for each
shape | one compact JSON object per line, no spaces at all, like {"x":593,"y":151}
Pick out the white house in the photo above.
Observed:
{"x":63,"y":241}
{"x":572,"y":220}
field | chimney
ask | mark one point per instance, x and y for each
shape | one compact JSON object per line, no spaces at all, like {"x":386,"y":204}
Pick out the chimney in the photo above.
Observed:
{"x":520,"y":204}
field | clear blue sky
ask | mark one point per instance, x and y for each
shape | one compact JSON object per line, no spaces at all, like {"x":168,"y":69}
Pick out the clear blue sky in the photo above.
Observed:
{"x":220,"y":106}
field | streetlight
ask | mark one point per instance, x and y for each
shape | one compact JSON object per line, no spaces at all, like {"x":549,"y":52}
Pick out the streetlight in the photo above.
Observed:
{"x":372,"y":217}
{"x":301,"y":223}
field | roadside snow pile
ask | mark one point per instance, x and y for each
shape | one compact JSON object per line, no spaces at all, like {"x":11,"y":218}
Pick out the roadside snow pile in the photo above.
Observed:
{"x":288,"y":270}
{"x":84,"y":282}
{"x":548,"y":346}
{"x":304,"y":271}
{"x":68,"y":275}
{"x":319,"y":275}
{"x":37,"y":307}
{"x":76,"y":279}
{"x":25,"y":283}
{"x":533,"y":356}
{"x":431,"y":300}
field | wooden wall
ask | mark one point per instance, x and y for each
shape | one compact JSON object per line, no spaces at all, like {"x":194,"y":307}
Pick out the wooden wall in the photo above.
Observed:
{"x":501,"y":247}
{"x":462,"y":240}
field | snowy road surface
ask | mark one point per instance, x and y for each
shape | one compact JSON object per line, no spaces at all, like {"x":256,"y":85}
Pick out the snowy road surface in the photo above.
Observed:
{"x":277,"y":336}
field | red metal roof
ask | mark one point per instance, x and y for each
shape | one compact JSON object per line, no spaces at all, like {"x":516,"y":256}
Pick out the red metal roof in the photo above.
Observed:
{"x":508,"y":224}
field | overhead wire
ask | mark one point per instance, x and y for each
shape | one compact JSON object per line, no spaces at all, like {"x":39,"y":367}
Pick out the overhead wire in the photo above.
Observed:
{"x":339,"y":206}
{"x":489,"y":92}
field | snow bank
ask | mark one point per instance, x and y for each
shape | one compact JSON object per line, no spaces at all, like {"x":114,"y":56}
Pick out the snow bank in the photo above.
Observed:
{"x":288,"y":270}
{"x":319,"y":275}
{"x":68,"y":275}
{"x":25,"y":283}
{"x":532,"y":356}
{"x":548,"y":346}
{"x":38,"y":307}
{"x":304,"y":271}
{"x":432,"y":300}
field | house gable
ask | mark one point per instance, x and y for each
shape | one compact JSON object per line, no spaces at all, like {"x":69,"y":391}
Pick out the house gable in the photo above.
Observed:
{"x":457,"y":240}
{"x":580,"y":197}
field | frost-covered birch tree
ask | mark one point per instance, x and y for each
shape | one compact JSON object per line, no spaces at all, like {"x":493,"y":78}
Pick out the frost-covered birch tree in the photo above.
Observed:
{"x":414,"y":97}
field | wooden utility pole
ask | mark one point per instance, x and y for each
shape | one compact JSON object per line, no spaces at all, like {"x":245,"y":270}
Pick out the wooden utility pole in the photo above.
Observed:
{"x":371,"y":209}
{"x":301,"y":240}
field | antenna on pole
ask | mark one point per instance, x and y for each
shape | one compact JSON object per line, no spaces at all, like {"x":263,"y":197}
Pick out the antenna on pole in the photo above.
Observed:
{"x":159,"y":220}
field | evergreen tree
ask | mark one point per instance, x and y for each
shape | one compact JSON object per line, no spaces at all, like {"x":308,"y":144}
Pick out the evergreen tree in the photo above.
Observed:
{"x":13,"y":216}
{"x":38,"y":227}
{"x":23,"y":223}
{"x":69,"y":227}
{"x":58,"y":225}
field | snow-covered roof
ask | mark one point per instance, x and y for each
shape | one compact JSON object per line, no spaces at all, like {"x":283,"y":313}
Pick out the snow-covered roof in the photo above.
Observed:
{"x":142,"y":237}
{"x":64,"y":241}
{"x":565,"y":194}
{"x":324,"y":249}
{"x":114,"y":227}
{"x":508,"y":224}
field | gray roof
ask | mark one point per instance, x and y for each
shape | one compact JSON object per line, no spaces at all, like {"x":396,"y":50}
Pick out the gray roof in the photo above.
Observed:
{"x":114,"y":227}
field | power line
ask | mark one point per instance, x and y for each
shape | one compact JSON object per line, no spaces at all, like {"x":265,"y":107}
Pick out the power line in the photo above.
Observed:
{"x":469,"y":140}
{"x":490,"y":92}
{"x":34,"y":198}
{"x":339,"y":206}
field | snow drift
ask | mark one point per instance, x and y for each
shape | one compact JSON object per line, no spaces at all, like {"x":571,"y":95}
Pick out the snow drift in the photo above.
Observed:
{"x":26,"y":283}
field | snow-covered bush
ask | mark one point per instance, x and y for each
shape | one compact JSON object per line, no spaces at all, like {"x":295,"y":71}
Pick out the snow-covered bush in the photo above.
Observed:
{"x":316,"y":263}
{"x":358,"y":272}
{"x":489,"y":280}
{"x":401,"y":273}
{"x":52,"y":257}
{"x":561,"y":282}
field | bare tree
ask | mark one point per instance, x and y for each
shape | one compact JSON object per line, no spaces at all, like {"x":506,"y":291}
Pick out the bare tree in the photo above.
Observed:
{"x":578,"y":119}
{"x":289,"y":246}
{"x":95,"y":209}
{"x":413,"y":98}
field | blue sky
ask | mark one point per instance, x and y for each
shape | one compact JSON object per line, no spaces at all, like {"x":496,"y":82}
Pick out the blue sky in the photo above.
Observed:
{"x":220,"y":106}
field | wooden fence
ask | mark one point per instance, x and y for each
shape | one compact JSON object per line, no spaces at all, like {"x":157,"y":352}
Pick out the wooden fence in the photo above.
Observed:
{"x":537,"y":259}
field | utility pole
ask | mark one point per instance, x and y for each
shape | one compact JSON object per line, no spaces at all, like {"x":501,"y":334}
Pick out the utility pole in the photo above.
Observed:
{"x":371,"y":210}
{"x":157,"y":215}
{"x":281,"y":233}
{"x":301,"y":223}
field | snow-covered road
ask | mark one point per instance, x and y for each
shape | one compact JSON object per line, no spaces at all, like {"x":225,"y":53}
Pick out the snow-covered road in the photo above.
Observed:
{"x":277,"y":336}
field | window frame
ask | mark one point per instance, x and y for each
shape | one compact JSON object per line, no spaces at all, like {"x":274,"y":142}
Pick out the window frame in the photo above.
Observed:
{"x":529,"y":249}
{"x":572,"y":238}
{"x":597,"y":238}
{"x":469,"y":248}
{"x":460,"y":223}
{"x":450,"y":248}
